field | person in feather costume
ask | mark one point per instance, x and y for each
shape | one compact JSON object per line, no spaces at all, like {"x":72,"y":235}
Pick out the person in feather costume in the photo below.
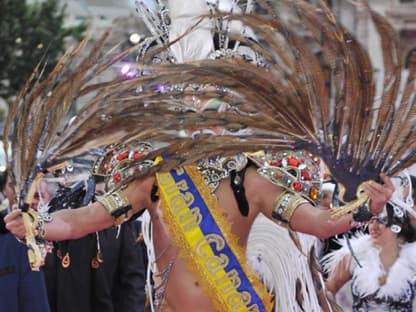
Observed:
{"x":281,"y":257}
{"x":283,"y":105}
{"x":382,"y":268}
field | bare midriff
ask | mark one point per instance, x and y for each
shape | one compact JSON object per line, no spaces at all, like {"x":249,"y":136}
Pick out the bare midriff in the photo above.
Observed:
{"x":183,"y":291}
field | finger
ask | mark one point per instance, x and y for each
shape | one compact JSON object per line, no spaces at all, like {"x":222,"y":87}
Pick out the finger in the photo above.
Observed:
{"x":17,"y":228}
{"x":371,"y":188}
{"x":378,"y":196}
{"x":21,"y":231}
{"x":375,"y":187}
{"x":387,"y":181}
{"x":12,"y":215}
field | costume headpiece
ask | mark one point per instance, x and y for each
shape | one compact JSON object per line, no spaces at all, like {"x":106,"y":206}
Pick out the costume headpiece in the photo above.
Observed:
{"x":325,"y":103}
{"x":291,"y":98}
{"x":401,"y":204}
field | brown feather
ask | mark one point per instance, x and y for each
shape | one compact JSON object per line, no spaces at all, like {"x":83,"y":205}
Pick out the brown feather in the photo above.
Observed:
{"x":293,"y":100}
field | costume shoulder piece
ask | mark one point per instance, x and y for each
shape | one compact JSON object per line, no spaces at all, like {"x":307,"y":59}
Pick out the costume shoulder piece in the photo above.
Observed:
{"x":393,"y":285}
{"x":297,"y":171}
{"x":120,"y":161}
{"x":218,"y":168}
{"x":409,"y":254}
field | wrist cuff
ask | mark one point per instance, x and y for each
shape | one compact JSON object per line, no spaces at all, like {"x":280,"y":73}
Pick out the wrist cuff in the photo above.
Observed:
{"x":117,"y":204}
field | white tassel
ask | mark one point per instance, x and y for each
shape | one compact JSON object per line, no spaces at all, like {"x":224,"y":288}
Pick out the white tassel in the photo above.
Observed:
{"x":273,"y":254}
{"x":148,"y":240}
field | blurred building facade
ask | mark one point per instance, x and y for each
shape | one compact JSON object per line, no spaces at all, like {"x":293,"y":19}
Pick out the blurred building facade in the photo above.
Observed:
{"x":122,"y":18}
{"x":400,"y":13}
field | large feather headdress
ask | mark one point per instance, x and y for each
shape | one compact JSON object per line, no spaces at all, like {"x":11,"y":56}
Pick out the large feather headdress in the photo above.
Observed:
{"x":286,"y":98}
{"x":39,"y":127}
{"x":292,"y":97}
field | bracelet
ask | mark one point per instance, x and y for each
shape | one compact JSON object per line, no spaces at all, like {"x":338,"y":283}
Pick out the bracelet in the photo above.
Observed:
{"x":285,"y":205}
{"x":117,"y":204}
{"x":38,"y":223}
{"x":43,"y":218}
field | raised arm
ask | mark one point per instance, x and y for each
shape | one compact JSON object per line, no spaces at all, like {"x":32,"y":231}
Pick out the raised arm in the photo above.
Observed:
{"x":303,"y":216}
{"x":75,"y":223}
{"x":339,"y":276}
{"x":318,"y":222}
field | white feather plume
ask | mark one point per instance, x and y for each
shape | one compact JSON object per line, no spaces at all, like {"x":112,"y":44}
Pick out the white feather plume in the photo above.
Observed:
{"x":198,"y":44}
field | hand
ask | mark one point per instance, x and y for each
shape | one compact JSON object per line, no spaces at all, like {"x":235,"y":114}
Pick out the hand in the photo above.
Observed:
{"x":14,"y":223}
{"x":379,"y":194}
{"x":138,"y":192}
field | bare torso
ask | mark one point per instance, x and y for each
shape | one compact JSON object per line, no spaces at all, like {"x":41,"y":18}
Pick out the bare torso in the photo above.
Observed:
{"x":183,"y":291}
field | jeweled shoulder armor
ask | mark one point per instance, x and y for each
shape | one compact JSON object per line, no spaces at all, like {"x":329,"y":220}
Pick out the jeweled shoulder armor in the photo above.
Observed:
{"x":299,"y":172}
{"x":216,"y":169}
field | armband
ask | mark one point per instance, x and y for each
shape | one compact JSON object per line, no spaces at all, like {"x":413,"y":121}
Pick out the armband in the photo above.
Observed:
{"x":285,"y":205}
{"x":117,"y":204}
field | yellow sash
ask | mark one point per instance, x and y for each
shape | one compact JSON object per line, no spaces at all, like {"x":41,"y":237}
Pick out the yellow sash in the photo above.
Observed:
{"x":200,"y":229}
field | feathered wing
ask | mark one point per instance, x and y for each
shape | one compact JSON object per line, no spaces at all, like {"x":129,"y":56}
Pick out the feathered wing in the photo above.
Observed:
{"x":32,"y":119}
{"x":42,"y":110}
{"x":288,"y":98}
{"x":327,"y":104}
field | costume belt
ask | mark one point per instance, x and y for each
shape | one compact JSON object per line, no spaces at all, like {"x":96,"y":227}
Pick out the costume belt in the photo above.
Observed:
{"x":200,"y":229}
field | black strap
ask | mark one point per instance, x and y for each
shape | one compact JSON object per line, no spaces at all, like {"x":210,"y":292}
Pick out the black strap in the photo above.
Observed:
{"x":153,"y":195}
{"x":237,"y":185}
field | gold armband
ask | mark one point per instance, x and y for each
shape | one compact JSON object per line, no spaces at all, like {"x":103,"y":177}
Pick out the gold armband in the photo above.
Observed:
{"x":285,"y":205}
{"x":117,"y":204}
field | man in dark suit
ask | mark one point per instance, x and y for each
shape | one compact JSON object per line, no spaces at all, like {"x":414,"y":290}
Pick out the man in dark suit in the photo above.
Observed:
{"x":101,"y":272}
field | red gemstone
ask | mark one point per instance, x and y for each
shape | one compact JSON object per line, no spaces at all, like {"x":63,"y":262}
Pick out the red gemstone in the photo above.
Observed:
{"x":292,"y":162}
{"x":137,"y":155}
{"x":276,"y":163}
{"x":305,"y":175}
{"x":117,"y":177}
{"x":122,"y":156}
{"x":297,"y":186}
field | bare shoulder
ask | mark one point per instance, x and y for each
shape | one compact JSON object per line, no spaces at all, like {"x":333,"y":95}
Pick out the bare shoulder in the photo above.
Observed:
{"x":260,"y":190}
{"x":255,"y":178}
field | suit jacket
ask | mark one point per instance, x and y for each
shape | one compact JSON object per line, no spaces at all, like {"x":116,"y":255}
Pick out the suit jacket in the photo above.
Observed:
{"x":117,"y":285}
{"x":21,"y":289}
